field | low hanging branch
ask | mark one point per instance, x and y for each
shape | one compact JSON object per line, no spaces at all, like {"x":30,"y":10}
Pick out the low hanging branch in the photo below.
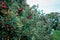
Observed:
{"x":46,"y":21}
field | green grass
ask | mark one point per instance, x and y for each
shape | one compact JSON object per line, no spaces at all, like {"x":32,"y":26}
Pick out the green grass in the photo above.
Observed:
{"x":56,"y":35}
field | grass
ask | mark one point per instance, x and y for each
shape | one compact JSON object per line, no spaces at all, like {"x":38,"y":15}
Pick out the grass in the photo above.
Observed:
{"x":56,"y":35}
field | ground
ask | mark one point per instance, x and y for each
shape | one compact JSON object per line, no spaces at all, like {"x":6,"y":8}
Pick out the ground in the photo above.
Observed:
{"x":56,"y":35}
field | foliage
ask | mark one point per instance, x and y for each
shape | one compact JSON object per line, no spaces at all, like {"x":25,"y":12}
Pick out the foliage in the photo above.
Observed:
{"x":24,"y":20}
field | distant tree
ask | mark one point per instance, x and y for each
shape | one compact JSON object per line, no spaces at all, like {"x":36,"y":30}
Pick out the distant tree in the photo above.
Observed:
{"x":53,"y":17}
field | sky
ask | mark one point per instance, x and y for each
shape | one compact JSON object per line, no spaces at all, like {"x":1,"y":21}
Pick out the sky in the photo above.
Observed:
{"x":46,"y":5}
